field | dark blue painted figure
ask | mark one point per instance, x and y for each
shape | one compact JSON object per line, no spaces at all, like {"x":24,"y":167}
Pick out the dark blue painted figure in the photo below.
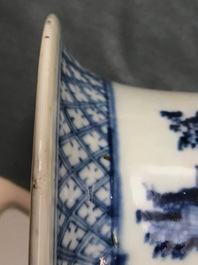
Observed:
{"x":173,"y":226}
{"x":188,"y":128}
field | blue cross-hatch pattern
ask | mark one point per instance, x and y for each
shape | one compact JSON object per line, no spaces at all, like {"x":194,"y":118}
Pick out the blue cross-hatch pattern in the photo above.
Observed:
{"x":85,"y":233}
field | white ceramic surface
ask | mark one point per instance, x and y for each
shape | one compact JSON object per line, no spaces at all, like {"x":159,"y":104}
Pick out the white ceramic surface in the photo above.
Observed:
{"x":42,"y":202}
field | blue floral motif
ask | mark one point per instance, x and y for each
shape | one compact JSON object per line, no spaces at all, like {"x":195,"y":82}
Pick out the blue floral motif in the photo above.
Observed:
{"x":85,"y":211}
{"x":186,"y":127}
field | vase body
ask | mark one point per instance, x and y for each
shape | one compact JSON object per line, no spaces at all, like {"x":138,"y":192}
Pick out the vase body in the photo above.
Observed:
{"x":121,"y":184}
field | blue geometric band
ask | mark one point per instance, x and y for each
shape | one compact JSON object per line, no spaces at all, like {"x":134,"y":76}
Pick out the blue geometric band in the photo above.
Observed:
{"x":86,"y":225}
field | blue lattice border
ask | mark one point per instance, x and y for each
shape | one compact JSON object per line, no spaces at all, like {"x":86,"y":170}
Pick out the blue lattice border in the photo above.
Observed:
{"x":114,"y":209}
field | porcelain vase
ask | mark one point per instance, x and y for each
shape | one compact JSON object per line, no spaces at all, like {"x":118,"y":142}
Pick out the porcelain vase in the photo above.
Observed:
{"x":114,"y":175}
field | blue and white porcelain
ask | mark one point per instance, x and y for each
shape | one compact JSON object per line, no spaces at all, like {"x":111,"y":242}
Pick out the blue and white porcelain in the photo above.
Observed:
{"x":115,"y":168}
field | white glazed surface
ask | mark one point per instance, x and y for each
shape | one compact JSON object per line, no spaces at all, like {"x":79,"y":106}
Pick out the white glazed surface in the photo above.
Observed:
{"x":43,"y":161}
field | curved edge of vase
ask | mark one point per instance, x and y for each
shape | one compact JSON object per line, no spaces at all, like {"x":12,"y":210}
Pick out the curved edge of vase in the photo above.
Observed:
{"x":43,"y":158}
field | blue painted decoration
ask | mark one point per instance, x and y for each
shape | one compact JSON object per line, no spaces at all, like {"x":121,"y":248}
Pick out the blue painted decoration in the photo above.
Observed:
{"x":186,"y":127}
{"x":87,"y":219}
{"x":172,"y":224}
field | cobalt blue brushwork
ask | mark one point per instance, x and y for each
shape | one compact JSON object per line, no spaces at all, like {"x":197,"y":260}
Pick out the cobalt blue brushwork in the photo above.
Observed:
{"x":187,"y":127}
{"x":172,"y":224}
{"x":87,"y":218}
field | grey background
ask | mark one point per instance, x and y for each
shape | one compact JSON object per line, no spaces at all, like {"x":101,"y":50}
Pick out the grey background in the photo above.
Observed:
{"x":146,"y":43}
